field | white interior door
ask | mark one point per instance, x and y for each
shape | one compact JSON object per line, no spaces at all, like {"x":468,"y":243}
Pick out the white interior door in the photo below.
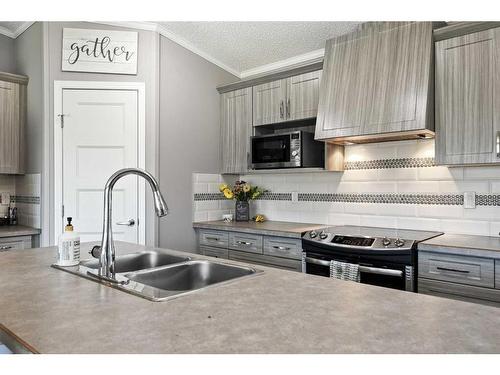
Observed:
{"x":100,"y":136}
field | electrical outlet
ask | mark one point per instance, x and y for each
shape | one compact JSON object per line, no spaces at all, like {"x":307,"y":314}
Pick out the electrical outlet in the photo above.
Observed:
{"x":5,"y":198}
{"x":470,"y":199}
{"x":295,"y":196}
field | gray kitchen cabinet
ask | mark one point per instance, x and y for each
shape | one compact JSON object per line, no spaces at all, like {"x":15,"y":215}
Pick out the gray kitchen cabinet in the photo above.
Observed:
{"x":269,"y":101}
{"x":459,"y":276}
{"x":468,"y":98}
{"x":288,"y":99}
{"x":271,"y":251}
{"x":15,"y":243}
{"x":377,"y":81}
{"x":236,"y":125}
{"x":12,"y":122}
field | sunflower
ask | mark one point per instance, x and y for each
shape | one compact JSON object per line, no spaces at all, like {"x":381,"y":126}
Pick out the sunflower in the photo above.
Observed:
{"x":223,"y":187}
{"x":228,"y":193}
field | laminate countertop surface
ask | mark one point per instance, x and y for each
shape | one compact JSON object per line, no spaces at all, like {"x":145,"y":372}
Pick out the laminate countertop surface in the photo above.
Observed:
{"x":272,"y":228}
{"x":463,"y":244}
{"x":17,"y":230}
{"x":275,"y":311}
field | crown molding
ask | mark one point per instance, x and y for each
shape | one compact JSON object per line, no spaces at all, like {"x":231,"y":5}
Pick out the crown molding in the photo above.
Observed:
{"x":299,"y":60}
{"x":14,"y":34}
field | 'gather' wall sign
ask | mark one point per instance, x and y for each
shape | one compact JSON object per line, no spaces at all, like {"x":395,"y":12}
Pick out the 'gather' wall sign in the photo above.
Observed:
{"x":99,"y":51}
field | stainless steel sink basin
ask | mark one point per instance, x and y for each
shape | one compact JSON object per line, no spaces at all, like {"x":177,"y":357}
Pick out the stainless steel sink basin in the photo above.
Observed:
{"x":190,"y":276}
{"x":139,"y":261}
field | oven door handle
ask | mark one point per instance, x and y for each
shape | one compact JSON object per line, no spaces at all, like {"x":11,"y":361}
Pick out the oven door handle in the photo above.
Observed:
{"x":319,"y":262}
{"x":366,"y":269}
{"x":381,"y":271}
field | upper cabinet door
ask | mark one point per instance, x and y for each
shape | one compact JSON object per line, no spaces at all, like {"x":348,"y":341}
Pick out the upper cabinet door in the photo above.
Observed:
{"x":468,"y":99}
{"x":377,"y":80}
{"x":303,"y":96}
{"x":236,"y":126}
{"x":269,"y":103}
{"x":12,"y":122}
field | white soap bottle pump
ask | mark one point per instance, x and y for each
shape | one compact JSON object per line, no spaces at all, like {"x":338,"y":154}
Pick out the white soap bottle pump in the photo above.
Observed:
{"x":69,"y":246}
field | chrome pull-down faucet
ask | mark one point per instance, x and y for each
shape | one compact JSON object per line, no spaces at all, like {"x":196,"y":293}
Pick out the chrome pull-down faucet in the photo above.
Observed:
{"x":107,"y":248}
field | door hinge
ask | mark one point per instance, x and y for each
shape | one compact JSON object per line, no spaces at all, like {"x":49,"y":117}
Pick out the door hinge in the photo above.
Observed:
{"x":62,"y":210}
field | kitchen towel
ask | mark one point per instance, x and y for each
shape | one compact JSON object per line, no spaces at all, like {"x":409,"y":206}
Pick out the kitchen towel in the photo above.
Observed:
{"x":344,"y":271}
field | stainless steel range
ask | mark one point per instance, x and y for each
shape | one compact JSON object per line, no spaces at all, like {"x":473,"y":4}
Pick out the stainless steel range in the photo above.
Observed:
{"x":385,"y":257}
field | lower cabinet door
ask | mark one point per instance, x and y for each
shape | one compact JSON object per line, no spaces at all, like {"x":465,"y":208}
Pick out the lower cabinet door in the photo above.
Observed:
{"x":213,"y":252}
{"x":265,"y":260}
{"x":468,"y":293}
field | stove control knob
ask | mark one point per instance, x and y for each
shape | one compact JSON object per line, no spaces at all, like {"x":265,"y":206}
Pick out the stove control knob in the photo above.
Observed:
{"x":386,"y":242}
{"x":399,"y":242}
{"x":323,"y":235}
{"x":295,"y":153}
{"x":313,"y":234}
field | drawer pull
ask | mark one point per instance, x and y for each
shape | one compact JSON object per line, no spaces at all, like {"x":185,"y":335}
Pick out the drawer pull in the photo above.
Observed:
{"x":212,"y":238}
{"x":281,"y":248}
{"x":243,"y":243}
{"x":452,"y":270}
{"x":5,"y":248}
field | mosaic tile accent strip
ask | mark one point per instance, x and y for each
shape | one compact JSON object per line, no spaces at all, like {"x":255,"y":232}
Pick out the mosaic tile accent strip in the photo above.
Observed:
{"x":434,"y":199}
{"x":25,"y":199}
{"x":209,"y":197}
{"x":390,"y":163}
{"x":276,"y":196}
{"x":488,"y":200}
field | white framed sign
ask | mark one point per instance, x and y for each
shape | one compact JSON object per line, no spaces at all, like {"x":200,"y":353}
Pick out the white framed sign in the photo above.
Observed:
{"x":99,"y":51}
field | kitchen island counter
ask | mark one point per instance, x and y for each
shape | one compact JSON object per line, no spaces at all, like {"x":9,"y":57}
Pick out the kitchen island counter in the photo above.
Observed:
{"x":273,"y":312}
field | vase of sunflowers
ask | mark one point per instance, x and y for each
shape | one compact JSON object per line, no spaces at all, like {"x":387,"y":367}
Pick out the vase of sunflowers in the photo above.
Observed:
{"x":242,"y":192}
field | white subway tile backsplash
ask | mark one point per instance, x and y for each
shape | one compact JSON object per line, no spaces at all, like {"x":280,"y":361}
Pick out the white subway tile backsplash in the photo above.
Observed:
{"x":418,"y":187}
{"x":439,"y":211}
{"x":466,"y":227}
{"x":440,"y":173}
{"x":478,"y":173}
{"x":360,"y":175}
{"x":463,"y":186}
{"x":398,"y":174}
{"x":379,"y":221}
{"x":344,"y":219}
{"x":419,"y":223}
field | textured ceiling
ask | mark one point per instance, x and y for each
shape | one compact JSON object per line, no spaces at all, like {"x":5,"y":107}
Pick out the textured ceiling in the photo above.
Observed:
{"x":247,"y":45}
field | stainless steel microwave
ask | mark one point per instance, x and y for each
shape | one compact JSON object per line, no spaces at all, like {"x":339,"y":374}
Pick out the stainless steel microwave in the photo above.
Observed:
{"x":296,"y":149}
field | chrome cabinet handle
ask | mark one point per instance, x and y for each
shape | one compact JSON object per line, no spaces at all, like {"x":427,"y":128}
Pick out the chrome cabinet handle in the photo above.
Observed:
{"x":497,"y":144}
{"x":243,"y":243}
{"x":281,"y":248}
{"x":5,"y":247}
{"x":212,"y":238}
{"x":288,"y":108}
{"x":129,"y":223}
{"x":281,"y":109}
{"x":451,"y":269}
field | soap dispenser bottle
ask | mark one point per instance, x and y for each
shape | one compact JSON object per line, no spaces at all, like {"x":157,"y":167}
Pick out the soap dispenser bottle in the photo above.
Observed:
{"x":69,"y":247}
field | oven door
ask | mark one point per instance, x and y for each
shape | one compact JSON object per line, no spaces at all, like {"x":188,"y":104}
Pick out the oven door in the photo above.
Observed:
{"x":399,"y":277}
{"x":272,"y":152}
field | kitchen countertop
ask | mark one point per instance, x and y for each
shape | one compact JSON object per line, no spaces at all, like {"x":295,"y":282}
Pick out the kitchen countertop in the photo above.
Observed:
{"x":276,"y":311}
{"x":17,"y":230}
{"x":464,"y":244}
{"x":271,"y":228}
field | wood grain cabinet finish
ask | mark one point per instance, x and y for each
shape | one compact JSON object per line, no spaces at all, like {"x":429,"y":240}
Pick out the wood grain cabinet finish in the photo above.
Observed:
{"x":377,"y":80}
{"x":250,"y":243}
{"x":497,"y":274}
{"x":213,"y":238}
{"x":288,"y":99}
{"x":15,"y":243}
{"x":12,"y":123}
{"x":236,"y":125}
{"x":265,"y":260}
{"x":214,"y":252}
{"x":269,"y":101}
{"x":468,"y":99}
{"x":283,"y":247}
{"x":457,"y":269}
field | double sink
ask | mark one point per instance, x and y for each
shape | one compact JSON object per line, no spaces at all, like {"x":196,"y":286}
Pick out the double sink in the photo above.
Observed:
{"x":158,"y":275}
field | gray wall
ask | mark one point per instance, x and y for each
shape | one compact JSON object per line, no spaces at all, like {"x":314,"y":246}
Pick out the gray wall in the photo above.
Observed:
{"x":7,"y":62}
{"x":29,"y":62}
{"x":189,"y":135}
{"x":147,"y":71}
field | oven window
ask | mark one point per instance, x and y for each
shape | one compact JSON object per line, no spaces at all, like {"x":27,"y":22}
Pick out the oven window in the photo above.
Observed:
{"x":271,"y":149}
{"x":393,"y":282}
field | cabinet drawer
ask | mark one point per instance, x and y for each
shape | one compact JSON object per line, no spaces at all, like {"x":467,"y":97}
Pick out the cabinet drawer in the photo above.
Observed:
{"x":283,"y":247}
{"x":457,"y":268}
{"x":460,"y":292}
{"x":250,"y":243}
{"x":265,"y":260}
{"x":15,"y":243}
{"x":215,"y":252}
{"x":213,"y":238}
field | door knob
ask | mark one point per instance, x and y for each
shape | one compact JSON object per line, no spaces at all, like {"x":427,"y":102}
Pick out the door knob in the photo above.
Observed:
{"x":129,"y":223}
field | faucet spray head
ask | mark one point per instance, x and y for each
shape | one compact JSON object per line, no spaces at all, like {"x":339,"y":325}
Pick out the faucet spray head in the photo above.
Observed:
{"x":160,"y":204}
